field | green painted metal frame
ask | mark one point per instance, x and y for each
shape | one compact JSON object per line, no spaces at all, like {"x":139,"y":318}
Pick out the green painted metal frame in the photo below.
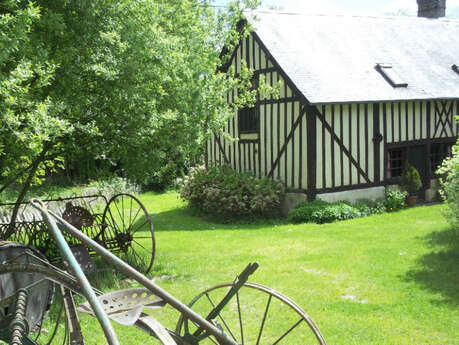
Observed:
{"x":206,"y":327}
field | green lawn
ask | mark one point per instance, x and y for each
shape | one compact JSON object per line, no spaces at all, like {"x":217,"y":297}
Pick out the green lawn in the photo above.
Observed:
{"x":385,"y":279}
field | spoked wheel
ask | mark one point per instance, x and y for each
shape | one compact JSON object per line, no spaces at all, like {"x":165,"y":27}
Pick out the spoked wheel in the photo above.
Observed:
{"x":128,"y":231}
{"x":256,"y":315}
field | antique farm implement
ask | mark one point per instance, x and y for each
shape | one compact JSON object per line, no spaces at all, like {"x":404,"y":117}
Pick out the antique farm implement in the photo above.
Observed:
{"x":120,"y":224}
{"x":233,"y":313}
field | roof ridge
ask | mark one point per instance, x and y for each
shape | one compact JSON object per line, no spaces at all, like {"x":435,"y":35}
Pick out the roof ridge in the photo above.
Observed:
{"x":345,"y":15}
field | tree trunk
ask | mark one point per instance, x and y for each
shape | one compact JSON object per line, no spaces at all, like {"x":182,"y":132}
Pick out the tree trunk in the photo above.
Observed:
{"x":25,"y":187}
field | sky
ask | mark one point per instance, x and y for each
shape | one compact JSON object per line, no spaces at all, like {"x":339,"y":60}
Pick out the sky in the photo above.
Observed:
{"x":351,"y":7}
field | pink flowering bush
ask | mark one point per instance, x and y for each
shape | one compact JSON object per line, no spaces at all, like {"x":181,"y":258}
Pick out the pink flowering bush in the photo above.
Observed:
{"x":224,"y":192}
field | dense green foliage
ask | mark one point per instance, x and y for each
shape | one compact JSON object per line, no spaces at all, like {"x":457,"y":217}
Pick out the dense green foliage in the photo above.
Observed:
{"x":224,"y":192}
{"x":410,"y":179}
{"x":319,"y":211}
{"x":130,"y":85}
{"x":449,"y":171}
{"x":28,"y":115}
{"x":335,"y":212}
{"x":303,"y":213}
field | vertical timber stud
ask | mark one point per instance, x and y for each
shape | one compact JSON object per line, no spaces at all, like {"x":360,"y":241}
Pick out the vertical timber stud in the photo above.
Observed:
{"x":367,"y":143}
{"x":342,"y":138}
{"x":376,"y":143}
{"x":384,"y":133}
{"x":332,"y":146}
{"x":428,"y":119}
{"x":358,"y":140}
{"x":311,"y":142}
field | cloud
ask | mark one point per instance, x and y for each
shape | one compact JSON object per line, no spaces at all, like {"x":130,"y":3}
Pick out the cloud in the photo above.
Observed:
{"x":408,"y":7}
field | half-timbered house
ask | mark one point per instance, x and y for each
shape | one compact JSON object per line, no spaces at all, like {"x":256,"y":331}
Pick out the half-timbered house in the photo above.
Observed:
{"x":358,"y":97}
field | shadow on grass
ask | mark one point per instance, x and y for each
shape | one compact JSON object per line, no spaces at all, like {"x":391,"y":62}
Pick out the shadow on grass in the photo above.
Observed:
{"x":189,"y":219}
{"x":440,"y":268}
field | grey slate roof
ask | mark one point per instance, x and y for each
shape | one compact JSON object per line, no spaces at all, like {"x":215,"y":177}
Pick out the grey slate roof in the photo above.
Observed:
{"x":331,"y":59}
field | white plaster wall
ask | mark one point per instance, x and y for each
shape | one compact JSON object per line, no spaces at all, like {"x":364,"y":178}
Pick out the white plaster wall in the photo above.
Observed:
{"x":354,"y":195}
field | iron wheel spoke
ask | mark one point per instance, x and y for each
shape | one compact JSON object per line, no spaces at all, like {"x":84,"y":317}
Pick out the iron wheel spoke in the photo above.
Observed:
{"x":130,"y":212}
{"x":135,"y":217}
{"x":134,"y":230}
{"x":221,"y":317}
{"x":138,"y":261}
{"x":288,"y":331}
{"x":264,"y":319}
{"x":141,"y":246}
{"x":240,"y":317}
{"x":113,"y":222}
{"x":121,"y":214}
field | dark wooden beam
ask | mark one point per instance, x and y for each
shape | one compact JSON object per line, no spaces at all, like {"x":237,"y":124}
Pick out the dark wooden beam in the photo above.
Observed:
{"x":278,"y":100}
{"x":448,"y":140}
{"x":377,"y":138}
{"x":311,"y":147}
{"x":265,"y":70}
{"x":429,"y":108}
{"x":220,"y":147}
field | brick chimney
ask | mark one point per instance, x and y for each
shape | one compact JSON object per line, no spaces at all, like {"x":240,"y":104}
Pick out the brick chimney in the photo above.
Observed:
{"x":431,"y":8}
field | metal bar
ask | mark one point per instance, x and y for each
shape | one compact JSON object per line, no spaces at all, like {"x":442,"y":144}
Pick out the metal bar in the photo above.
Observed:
{"x":94,"y":196}
{"x":78,"y":272}
{"x":140,"y":278}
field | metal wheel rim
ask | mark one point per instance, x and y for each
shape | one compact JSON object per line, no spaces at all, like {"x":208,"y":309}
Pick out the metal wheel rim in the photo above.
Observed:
{"x":112,"y":228}
{"x":181,"y":324}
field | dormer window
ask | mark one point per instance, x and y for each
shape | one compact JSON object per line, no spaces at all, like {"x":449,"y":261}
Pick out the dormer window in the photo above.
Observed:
{"x":390,"y":75}
{"x":455,"y":68}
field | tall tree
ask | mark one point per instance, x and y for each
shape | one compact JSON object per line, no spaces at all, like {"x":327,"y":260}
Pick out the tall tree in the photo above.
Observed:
{"x":132,"y":82}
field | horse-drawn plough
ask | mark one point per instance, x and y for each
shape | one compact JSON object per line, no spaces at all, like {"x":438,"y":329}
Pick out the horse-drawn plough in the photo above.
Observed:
{"x":234,"y":313}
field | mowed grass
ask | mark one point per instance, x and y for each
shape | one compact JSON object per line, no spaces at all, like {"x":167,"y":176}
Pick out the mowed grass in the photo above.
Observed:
{"x":385,"y":279}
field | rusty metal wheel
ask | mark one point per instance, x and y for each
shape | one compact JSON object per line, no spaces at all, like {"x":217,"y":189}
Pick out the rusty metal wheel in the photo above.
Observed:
{"x":128,"y":231}
{"x":256,"y":315}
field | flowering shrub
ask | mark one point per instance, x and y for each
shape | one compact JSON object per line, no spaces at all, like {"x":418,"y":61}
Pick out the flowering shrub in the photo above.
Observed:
{"x":224,"y":192}
{"x":394,"y":201}
{"x":449,"y":180}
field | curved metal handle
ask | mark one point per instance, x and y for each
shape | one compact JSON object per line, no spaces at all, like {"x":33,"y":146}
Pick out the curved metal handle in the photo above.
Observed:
{"x":78,"y":272}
